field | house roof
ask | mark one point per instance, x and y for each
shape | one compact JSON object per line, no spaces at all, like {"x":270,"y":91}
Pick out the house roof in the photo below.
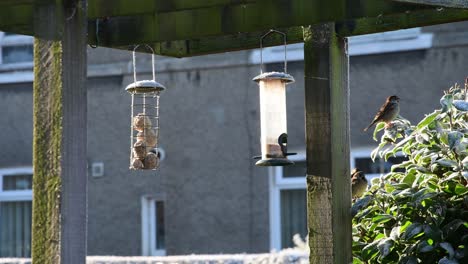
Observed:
{"x":182,"y":28}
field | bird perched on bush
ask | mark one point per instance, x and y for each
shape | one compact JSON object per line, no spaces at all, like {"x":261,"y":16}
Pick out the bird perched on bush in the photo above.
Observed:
{"x":387,"y":112}
{"x":358,"y":183}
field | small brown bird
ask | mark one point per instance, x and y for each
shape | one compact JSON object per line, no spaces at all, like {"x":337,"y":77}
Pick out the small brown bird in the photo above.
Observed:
{"x":358,"y":183}
{"x":387,"y":111}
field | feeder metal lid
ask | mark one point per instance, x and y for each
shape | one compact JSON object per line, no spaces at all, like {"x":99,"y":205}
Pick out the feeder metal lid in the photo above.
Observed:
{"x":145,"y":86}
{"x":287,"y":78}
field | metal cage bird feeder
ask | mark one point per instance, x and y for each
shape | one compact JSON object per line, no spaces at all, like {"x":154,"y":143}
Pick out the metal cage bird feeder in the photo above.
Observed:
{"x":273,"y":112}
{"x":144,"y":129}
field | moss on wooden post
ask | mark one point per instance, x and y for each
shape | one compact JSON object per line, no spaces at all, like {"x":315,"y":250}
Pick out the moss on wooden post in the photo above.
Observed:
{"x":327,"y":138}
{"x":46,"y":151}
{"x":59,"y":140}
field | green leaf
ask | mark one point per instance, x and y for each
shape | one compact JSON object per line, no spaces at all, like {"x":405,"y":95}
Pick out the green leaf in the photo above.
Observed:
{"x":465,"y":161}
{"x":383,"y":218}
{"x":454,"y":188}
{"x":357,"y":261}
{"x":384,"y":247}
{"x":460,"y":189}
{"x":370,"y":251}
{"x":454,"y":138}
{"x":445,"y":260}
{"x":465,"y":174}
{"x":427,"y":120}
{"x":460,"y":105}
{"x":426,"y":196}
{"x":424,"y":246}
{"x":446,"y":102}
{"x":443,"y":136}
{"x":395,"y":234}
{"x":448,"y":247}
{"x":447,"y":163}
{"x":360,"y":204}
{"x":409,"y":179}
{"x":433,"y":233}
{"x":375,"y":181}
{"x":430,"y":242}
{"x":406,"y":224}
{"x":452,"y":176}
{"x":374,"y":153}
{"x":413,"y":230}
{"x":378,"y":127}
{"x":401,"y":186}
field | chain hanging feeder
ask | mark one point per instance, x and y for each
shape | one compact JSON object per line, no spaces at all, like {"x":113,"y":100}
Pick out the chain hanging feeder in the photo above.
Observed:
{"x":144,"y":129}
{"x":273,"y":112}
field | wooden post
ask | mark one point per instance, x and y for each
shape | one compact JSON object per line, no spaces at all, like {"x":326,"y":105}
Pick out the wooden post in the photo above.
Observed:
{"x":327,"y":138}
{"x":59,"y":144}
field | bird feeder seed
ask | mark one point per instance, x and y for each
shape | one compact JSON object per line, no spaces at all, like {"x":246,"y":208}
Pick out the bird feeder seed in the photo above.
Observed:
{"x":148,"y":136}
{"x":139,"y":150}
{"x":137,"y":164}
{"x":141,"y":121}
{"x":151,"y":161}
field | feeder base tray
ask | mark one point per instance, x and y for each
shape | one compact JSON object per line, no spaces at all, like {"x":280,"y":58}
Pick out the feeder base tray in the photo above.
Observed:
{"x":274,"y":162}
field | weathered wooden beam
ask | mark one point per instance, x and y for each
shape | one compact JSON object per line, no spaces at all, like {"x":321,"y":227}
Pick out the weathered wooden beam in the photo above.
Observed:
{"x":102,"y":8}
{"x":147,"y":29}
{"x":241,"y":41}
{"x":441,"y":3}
{"x":232,"y":19}
{"x":188,"y":28}
{"x":14,"y":15}
{"x":59,"y":143}
{"x":412,"y":19}
{"x":4,"y":3}
{"x":327,"y":139}
{"x":207,"y":45}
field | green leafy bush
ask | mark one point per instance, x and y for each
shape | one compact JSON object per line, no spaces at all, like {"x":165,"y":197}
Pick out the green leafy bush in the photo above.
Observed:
{"x":419,"y":215}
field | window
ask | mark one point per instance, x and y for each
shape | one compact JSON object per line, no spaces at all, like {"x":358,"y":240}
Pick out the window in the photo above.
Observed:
{"x":288,"y":203}
{"x":15,"y":49}
{"x":15,"y":212}
{"x":361,"y":159}
{"x":153,"y":229}
{"x":16,"y":58}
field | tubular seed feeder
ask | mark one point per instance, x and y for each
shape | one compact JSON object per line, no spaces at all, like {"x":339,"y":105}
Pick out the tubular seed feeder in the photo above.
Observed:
{"x":273,"y":112}
{"x":144,"y":131}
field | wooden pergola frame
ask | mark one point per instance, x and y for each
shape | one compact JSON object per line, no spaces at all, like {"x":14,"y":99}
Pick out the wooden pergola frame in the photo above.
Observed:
{"x":182,"y":28}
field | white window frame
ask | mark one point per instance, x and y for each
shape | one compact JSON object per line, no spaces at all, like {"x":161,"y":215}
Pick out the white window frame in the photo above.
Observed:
{"x":148,"y":225}
{"x":15,"y":72}
{"x":377,"y":43}
{"x":15,"y":195}
{"x":278,"y":183}
{"x":15,"y":40}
